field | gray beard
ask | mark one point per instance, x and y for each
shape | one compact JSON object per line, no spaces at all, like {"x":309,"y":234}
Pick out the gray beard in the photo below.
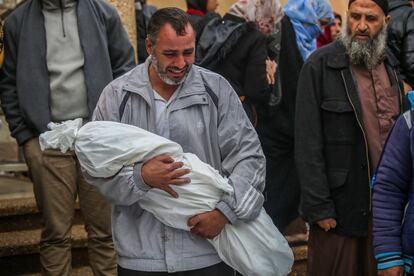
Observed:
{"x":163,"y":75}
{"x":368,"y":53}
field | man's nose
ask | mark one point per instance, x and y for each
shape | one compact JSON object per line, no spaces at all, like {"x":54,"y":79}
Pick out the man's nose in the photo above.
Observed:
{"x":179,"y":61}
{"x":362,"y":26}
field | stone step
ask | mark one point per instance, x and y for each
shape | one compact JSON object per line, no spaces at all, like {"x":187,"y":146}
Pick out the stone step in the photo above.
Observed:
{"x":26,"y":242}
{"x":30,"y":264}
{"x":22,"y":214}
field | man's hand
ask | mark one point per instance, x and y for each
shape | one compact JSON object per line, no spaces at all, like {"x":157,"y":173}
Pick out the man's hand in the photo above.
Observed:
{"x":208,"y":225}
{"x":271,"y":67}
{"x":392,"y":271}
{"x":407,"y":88}
{"x":162,"y":171}
{"x":327,"y":224}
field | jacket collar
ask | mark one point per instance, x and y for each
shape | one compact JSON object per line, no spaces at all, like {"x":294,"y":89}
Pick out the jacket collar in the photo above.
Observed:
{"x":137,"y":81}
{"x":340,"y":60}
{"x":57,"y":4}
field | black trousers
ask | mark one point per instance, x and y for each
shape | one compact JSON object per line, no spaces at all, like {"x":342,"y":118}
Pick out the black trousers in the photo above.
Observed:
{"x":220,"y":269}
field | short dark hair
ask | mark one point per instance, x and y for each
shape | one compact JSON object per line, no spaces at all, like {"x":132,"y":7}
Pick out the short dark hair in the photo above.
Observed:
{"x":176,"y":17}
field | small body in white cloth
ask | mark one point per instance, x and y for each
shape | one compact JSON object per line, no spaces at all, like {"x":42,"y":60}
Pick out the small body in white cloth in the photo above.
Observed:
{"x":252,"y":248}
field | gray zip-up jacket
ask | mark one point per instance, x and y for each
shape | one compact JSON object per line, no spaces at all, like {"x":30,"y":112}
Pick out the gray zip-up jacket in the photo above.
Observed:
{"x":220,"y":135}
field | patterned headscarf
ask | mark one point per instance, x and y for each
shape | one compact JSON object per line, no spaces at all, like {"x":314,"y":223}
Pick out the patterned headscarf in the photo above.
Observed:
{"x":265,"y":13}
{"x":304,"y":15}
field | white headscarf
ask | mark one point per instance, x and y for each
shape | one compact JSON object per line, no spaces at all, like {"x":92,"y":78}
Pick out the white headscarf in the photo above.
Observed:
{"x":265,"y":13}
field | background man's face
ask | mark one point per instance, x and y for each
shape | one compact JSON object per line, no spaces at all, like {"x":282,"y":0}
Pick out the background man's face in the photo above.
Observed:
{"x":365,"y":20}
{"x":173,"y":54}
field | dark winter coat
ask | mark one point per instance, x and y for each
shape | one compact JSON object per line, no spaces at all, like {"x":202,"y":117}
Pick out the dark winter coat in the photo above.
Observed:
{"x":276,"y":133}
{"x":401,"y":37}
{"x":393,"y":205}
{"x":24,"y":77}
{"x":241,"y":58}
{"x":330,"y":146}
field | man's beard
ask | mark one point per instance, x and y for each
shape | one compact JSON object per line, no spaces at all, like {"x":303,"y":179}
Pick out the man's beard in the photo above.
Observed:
{"x":370,"y":52}
{"x":163,"y":74}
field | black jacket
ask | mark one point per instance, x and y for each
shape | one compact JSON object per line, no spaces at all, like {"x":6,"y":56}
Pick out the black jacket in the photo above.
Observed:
{"x":401,"y":37}
{"x":330,"y":146}
{"x":241,"y":58}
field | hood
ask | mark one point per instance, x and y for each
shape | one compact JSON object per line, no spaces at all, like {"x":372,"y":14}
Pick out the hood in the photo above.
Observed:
{"x":392,"y":4}
{"x":200,"y":5}
{"x":57,"y":4}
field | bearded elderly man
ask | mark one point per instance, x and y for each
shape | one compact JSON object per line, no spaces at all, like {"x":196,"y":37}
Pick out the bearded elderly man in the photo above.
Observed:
{"x":349,"y":95}
{"x":199,"y":110}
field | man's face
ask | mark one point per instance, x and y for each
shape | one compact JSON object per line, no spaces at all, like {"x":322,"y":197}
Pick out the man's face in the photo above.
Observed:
{"x":172,"y":55}
{"x":411,"y":3}
{"x":212,"y":5}
{"x":365,"y":20}
{"x":335,"y":28}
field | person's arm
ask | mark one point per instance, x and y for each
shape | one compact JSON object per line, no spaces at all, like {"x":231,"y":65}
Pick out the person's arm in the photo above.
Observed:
{"x":119,"y":47}
{"x":317,"y":204}
{"x":407,"y":51}
{"x":8,"y":87}
{"x":243,"y":161}
{"x":255,"y":85}
{"x":390,"y":191}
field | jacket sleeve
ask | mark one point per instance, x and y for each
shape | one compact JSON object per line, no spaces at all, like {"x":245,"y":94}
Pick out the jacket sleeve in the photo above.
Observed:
{"x":243,"y":161}
{"x":316,"y":201}
{"x":8,"y":88}
{"x":391,"y":186}
{"x":119,"y":47}
{"x":127,"y":186}
{"x":407,"y":50}
{"x":255,"y":85}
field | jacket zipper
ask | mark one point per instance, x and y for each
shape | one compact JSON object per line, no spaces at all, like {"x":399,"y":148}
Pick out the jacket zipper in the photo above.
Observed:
{"x":62,"y":14}
{"x":365,"y":140}
{"x":399,"y":90}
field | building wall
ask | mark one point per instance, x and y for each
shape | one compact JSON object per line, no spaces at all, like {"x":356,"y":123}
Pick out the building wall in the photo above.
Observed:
{"x":339,"y":6}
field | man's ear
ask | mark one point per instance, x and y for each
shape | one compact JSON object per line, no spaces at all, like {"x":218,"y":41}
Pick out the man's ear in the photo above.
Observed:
{"x":387,"y":19}
{"x":149,"y":46}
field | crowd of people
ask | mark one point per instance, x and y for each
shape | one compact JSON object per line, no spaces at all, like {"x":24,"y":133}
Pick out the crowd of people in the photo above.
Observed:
{"x":298,"y":107}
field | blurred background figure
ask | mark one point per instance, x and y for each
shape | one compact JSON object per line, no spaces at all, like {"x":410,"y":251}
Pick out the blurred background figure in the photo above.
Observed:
{"x":401,"y":38}
{"x":236,"y":49}
{"x":307,"y":17}
{"x":201,"y":12}
{"x":143,"y":13}
{"x":276,"y":123}
{"x":331,"y":32}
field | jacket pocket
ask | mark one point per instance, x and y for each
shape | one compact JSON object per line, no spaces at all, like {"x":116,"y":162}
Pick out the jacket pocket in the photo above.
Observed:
{"x":337,"y":178}
{"x":338,"y":122}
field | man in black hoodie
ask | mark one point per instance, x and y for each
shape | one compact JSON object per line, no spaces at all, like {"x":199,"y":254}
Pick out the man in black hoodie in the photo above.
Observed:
{"x":401,"y":37}
{"x":59,"y":55}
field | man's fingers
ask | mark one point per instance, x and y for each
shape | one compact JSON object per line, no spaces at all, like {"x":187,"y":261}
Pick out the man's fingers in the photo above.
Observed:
{"x":179,"y":173}
{"x":175,"y":165}
{"x":164,"y":158}
{"x":179,"y":181}
{"x":169,"y":190}
{"x":193,"y":221}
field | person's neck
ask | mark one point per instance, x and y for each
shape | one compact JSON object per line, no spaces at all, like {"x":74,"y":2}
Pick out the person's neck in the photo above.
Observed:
{"x":164,"y":90}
